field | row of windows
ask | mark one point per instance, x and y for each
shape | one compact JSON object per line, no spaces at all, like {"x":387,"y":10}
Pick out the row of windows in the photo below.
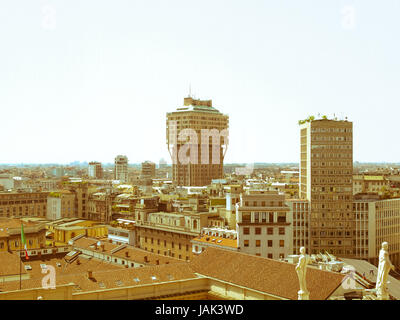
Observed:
{"x":152,"y":241}
{"x":257,"y":230}
{"x":269,"y":243}
{"x":167,"y":253}
{"x":331,"y":130}
{"x":263,"y":203}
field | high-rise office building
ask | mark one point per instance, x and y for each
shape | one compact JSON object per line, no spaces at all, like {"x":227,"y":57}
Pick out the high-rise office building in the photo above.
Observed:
{"x":197,"y":154}
{"x":148,"y":169}
{"x":95,"y":170}
{"x":121,"y":168}
{"x":326,"y":173}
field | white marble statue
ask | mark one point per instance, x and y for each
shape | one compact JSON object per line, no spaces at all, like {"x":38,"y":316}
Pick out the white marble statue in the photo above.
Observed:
{"x":301,"y":269}
{"x":383,"y":270}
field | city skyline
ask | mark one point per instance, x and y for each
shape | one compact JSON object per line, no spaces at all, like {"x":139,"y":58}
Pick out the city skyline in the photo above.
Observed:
{"x":92,"y":91}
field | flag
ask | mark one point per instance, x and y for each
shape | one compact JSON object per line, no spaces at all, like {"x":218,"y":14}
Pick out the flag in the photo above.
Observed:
{"x":23,"y":240}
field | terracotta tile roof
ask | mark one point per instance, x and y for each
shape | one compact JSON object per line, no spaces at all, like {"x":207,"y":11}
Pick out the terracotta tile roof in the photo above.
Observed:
{"x":135,"y":254}
{"x":262,"y":274}
{"x":10,"y":264}
{"x":103,"y":275}
{"x":10,"y":223}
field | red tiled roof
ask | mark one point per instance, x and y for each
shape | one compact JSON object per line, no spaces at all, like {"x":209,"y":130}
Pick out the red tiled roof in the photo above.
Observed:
{"x":262,"y":274}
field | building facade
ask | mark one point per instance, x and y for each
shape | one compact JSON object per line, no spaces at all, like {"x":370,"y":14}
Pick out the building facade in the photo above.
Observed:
{"x":121,"y":168}
{"x":95,"y":170}
{"x":23,"y":204}
{"x":60,"y":205}
{"x":377,"y":221}
{"x":326,"y":172}
{"x":196,"y":158}
{"x":263,"y":226}
{"x":148,"y":169}
{"x":299,"y":218}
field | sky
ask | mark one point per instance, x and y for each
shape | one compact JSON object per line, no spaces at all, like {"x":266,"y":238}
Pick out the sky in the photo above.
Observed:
{"x":89,"y":80}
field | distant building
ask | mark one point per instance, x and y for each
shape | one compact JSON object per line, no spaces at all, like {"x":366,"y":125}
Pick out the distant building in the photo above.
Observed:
{"x":121,"y":168}
{"x":202,"y":168}
{"x":7,"y":181}
{"x":162,"y":164}
{"x":59,"y":172}
{"x":95,"y":170}
{"x":148,"y":169}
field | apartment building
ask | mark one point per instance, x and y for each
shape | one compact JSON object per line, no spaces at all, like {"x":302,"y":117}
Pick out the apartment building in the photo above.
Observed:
{"x":23,"y":204}
{"x":263,"y":226}
{"x":206,"y":161}
{"x":148,"y":169}
{"x":121,"y":168}
{"x":326,"y":173}
{"x":95,"y":170}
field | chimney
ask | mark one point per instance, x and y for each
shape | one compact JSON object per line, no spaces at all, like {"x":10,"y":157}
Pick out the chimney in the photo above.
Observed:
{"x":127,"y":254}
{"x":157,"y":261}
{"x":78,"y":262}
{"x":146,"y":259}
{"x":90,"y":274}
{"x":102,"y":247}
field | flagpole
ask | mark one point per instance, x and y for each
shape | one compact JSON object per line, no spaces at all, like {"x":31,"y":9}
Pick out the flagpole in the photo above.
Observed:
{"x":20,"y":262}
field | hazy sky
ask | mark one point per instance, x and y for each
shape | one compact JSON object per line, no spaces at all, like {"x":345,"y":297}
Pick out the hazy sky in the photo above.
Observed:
{"x":88,"y":80}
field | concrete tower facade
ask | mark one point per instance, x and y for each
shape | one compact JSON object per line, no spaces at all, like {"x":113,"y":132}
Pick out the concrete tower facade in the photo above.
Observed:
{"x":197,"y":154}
{"x":121,"y":168}
{"x":326,"y":180}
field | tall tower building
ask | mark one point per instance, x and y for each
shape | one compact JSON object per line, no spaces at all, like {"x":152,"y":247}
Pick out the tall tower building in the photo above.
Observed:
{"x":197,"y":137}
{"x":148,"y":169}
{"x":95,"y":170}
{"x":326,"y":180}
{"x":121,"y":168}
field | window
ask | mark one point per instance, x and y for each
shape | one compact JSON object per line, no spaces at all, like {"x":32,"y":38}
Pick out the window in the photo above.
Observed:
{"x":281,"y":243}
{"x":269,"y":255}
{"x":246,"y":217}
{"x":246,"y":243}
{"x":246,"y":230}
{"x":258,"y":230}
{"x":271,"y":217}
{"x":281,"y":231}
{"x":270,"y":231}
{"x":258,"y":243}
{"x":270,"y":243}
